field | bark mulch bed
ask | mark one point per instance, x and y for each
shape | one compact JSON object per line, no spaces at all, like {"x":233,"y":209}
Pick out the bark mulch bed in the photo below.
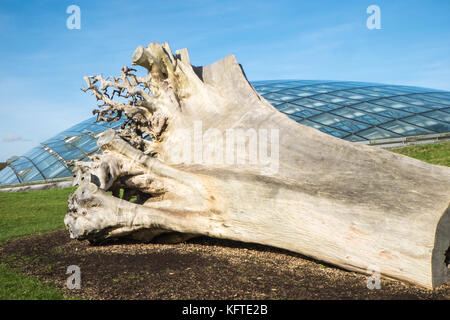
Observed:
{"x":201,"y":268}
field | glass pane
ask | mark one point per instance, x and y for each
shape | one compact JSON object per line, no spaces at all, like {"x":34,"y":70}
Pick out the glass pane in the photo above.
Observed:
{"x":354,"y":138}
{"x":302,"y":83}
{"x":383,"y":89}
{"x":351,"y":95}
{"x":86,"y":143}
{"x":331,"y":86}
{"x":377,"y":133}
{"x":335,"y":99}
{"x":371,"y":93}
{"x":297,"y":92}
{"x":24,"y":173}
{"x":294,"y":117}
{"x":439,"y":102}
{"x":19,"y":161}
{"x":401,"y":105}
{"x":63,"y":174}
{"x":43,"y":155}
{"x":11,"y":180}
{"x":274,"y":102}
{"x":264,"y":82}
{"x":438,"y":115}
{"x":7,"y":176}
{"x":404,"y":128}
{"x":402,"y":89}
{"x":410,"y":89}
{"x":349,"y":112}
{"x":282,"y":85}
{"x":361,"y":116}
{"x":90,"y":147}
{"x":72,"y":154}
{"x":316,"y":104}
{"x":43,"y":164}
{"x":59,"y":146}
{"x":7,"y":171}
{"x":380,"y":110}
{"x":21,"y":164}
{"x":325,"y":129}
{"x":55,"y":170}
{"x":413,"y":101}
{"x":264,"y":89}
{"x":443,"y":95}
{"x":280,"y":97}
{"x":297,"y":110}
{"x":32,"y":175}
{"x":339,"y":123}
{"x":34,"y":152}
{"x":315,"y":89}
{"x":355,"y":84}
{"x":428,"y":123}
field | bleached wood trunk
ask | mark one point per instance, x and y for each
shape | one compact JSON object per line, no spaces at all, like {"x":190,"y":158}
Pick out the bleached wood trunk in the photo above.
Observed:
{"x":355,"y":206}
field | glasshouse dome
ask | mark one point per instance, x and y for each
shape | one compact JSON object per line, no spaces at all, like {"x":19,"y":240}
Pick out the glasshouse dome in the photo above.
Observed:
{"x":361,"y":112}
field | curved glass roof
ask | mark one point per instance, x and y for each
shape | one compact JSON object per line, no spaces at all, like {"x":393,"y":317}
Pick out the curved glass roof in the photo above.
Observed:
{"x":359,"y":111}
{"x":49,"y":159}
{"x":353,"y":111}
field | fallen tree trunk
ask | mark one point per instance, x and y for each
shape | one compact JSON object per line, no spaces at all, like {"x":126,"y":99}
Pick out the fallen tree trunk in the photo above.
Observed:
{"x":225,"y":163}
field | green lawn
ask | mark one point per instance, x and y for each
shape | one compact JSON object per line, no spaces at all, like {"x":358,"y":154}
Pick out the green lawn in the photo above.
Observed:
{"x":437,"y":153}
{"x":24,"y":213}
{"x":14,"y":286}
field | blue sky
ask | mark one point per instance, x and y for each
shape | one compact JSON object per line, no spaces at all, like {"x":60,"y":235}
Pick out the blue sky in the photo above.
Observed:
{"x":42,"y":62}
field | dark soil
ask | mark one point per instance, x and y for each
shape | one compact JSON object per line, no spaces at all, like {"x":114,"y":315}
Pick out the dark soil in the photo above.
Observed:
{"x":202,"y":268}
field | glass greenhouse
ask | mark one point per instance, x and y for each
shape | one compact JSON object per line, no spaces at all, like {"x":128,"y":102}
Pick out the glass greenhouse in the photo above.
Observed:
{"x":354,"y":111}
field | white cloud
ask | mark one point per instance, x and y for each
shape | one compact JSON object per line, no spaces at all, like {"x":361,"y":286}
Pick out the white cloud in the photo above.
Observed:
{"x":12,"y":138}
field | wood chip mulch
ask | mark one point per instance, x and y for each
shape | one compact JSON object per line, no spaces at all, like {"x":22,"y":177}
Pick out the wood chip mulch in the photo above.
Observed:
{"x":201,"y":268}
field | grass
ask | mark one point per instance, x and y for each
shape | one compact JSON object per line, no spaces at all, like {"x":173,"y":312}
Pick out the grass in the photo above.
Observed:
{"x":436,"y":153}
{"x":14,"y":286}
{"x":23,"y":213}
